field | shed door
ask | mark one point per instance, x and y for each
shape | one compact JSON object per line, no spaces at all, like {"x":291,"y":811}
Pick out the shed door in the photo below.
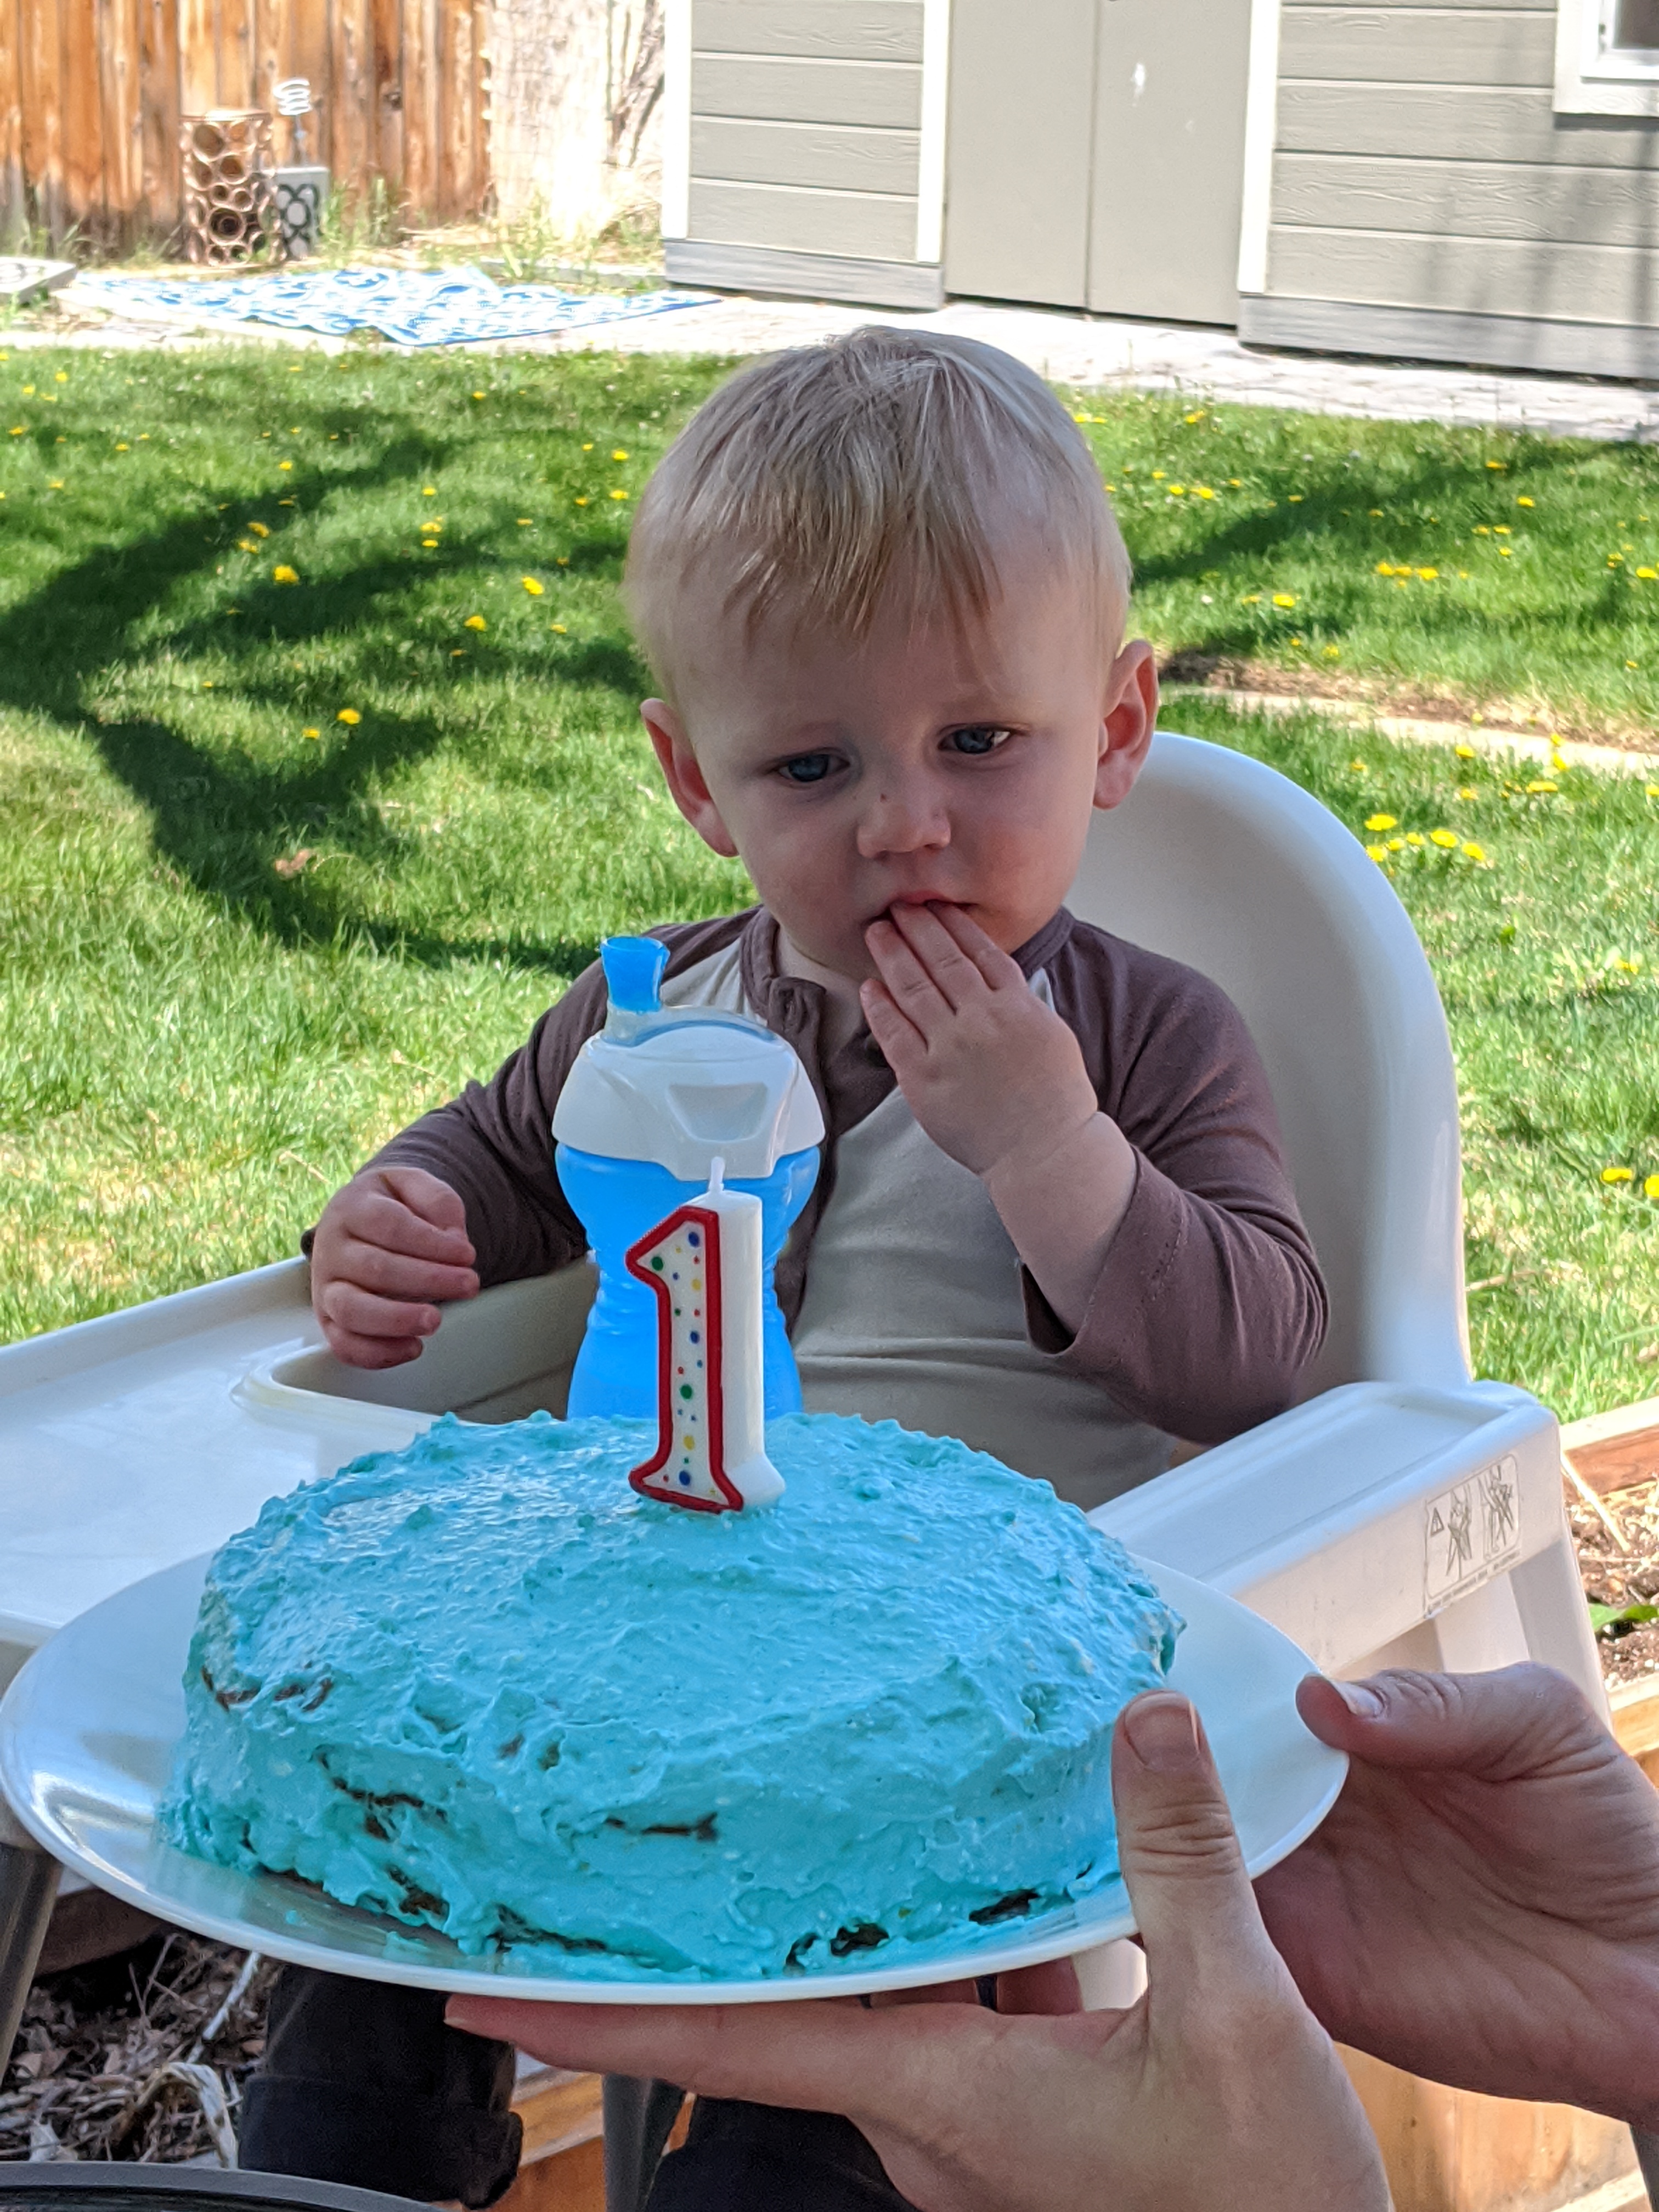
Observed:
{"x":1095,"y":154}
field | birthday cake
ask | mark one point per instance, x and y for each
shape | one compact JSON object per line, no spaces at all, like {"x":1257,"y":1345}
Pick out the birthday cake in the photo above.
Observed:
{"x":483,"y":1685}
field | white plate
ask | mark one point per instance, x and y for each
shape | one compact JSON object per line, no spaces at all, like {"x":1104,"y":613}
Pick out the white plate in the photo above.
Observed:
{"x":88,"y":1729}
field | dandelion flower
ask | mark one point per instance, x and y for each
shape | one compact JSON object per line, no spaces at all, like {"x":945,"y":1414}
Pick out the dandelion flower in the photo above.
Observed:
{"x":1382,"y":821}
{"x":619,"y":495}
{"x":478,"y":395}
{"x":1199,"y":417}
{"x":281,"y":574}
{"x":124,"y":448}
{"x":428,"y":491}
{"x":475,"y":622}
{"x":588,"y":447}
{"x":1358,"y":767}
{"x":1540,"y":786}
{"x":458,"y":652}
{"x":621,"y":453}
{"x":1385,"y":567}
{"x":1523,"y":501}
{"x":1650,"y":1186}
{"x":532,"y":586}
{"x":311,"y":733}
{"x":1415,"y":837}
{"x":1082,"y":418}
{"x":1236,"y":483}
{"x":524,"y":522}
{"x":259,"y":529}
{"x":1332,"y":652}
{"x":1284,"y":599}
{"x":1502,"y":552}
{"x":429,"y":545}
{"x":1464,"y":752}
{"x":1428,"y":575}
{"x":1159,"y":476}
{"x":1501,"y":530}
{"x":1617,"y":1175}
{"x":559,"y":627}
{"x":581,"y":498}
{"x":1177,"y":491}
{"x":1251,"y":599}
{"x":1376,"y":513}
{"x":1448,"y":840}
{"x":1203,"y":491}
{"x":1467,"y":791}
{"x":1396,"y":844}
{"x":1652,"y":790}
{"x":349,"y":716}
{"x":1476,"y":853}
{"x":1497,"y":465}
{"x":1648,"y":574}
{"x":1377,"y":852}
{"x":54,"y":483}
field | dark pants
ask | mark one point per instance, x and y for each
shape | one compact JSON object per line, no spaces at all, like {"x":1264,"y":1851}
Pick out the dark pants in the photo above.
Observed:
{"x":361,"y":2082}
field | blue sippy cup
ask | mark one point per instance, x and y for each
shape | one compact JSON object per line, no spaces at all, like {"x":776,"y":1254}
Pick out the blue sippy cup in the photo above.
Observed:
{"x":652,"y":1102}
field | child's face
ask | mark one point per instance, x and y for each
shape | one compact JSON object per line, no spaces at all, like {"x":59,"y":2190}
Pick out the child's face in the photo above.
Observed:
{"x":920,"y":766}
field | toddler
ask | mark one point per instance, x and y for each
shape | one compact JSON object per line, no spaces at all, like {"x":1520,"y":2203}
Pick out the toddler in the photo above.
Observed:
{"x":884,"y":597}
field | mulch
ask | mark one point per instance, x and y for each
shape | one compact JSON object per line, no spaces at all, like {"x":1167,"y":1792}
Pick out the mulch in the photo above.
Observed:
{"x":1619,"y":1565}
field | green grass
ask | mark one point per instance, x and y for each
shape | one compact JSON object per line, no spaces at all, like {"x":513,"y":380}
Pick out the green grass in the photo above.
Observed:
{"x":1265,"y":538}
{"x":200,"y":1044}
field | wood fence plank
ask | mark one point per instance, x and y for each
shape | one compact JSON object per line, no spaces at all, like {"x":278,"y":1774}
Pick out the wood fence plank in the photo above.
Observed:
{"x":118,"y":92}
{"x":304,"y":46}
{"x":83,"y":156}
{"x":387,"y":73}
{"x":13,"y":208}
{"x":159,"y":203}
{"x":460,"y":195}
{"x":421,"y":107}
{"x":199,"y":61}
{"x":351,"y":51}
{"x":237,"y":86}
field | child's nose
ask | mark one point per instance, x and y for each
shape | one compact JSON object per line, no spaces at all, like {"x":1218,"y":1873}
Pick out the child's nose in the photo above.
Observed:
{"x":902,"y":818}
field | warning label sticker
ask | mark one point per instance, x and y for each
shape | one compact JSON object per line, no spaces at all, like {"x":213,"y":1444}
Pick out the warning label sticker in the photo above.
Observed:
{"x":1470,"y":1534}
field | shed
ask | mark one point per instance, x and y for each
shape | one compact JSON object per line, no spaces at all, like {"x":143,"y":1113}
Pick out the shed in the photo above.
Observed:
{"x":1472,"y":181}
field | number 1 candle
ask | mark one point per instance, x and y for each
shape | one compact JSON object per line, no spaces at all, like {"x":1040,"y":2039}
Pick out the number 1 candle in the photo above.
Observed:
{"x":703,"y":1262}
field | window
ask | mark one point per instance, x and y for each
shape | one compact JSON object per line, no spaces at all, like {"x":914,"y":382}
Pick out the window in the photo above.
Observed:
{"x":1607,"y":57}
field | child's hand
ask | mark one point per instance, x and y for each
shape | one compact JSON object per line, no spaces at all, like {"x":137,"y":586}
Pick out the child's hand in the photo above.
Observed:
{"x":389,"y":1242}
{"x":992,"y":1074}
{"x":998,"y":1081}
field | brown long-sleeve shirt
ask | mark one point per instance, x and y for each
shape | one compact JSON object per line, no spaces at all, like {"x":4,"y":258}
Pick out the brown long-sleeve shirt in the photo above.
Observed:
{"x":904,"y":1296}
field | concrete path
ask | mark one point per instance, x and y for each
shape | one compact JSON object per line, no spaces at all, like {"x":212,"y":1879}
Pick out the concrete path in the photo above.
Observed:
{"x":1082,"y":351}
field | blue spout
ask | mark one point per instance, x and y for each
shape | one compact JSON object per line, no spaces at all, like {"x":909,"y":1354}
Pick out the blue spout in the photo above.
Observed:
{"x":633,"y":973}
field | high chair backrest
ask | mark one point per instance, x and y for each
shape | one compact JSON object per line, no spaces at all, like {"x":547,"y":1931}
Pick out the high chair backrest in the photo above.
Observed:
{"x":1228,"y":866}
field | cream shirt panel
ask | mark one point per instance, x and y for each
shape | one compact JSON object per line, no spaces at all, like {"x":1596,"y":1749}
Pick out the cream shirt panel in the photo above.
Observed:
{"x":914,"y":1312}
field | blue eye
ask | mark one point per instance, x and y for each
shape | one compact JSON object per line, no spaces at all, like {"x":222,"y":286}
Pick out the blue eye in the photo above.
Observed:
{"x":808,"y":768}
{"x":981,"y":737}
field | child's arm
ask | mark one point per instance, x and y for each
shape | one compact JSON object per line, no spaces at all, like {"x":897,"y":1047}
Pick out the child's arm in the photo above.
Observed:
{"x":1144,"y":1187}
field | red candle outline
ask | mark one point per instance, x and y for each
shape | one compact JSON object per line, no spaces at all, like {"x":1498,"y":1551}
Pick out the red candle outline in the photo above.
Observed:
{"x":640,"y":1479}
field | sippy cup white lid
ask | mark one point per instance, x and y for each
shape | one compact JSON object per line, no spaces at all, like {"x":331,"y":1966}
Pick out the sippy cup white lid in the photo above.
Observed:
{"x":685,"y":1088}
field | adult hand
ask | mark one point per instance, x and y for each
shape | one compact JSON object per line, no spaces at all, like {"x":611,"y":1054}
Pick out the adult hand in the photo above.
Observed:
{"x":1218,"y":2087}
{"x":389,"y":1243}
{"x":998,"y":1081}
{"x":1482,"y":1904}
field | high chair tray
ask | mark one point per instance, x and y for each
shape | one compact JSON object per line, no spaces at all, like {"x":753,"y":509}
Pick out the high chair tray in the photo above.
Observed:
{"x":88,"y":1729}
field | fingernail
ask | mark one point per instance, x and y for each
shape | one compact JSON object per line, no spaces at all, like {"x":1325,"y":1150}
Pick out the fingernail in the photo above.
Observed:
{"x":1162,"y":1732}
{"x":1360,"y":1698}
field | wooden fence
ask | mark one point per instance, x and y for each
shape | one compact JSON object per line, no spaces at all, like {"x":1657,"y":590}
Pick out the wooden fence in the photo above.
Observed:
{"x":92,"y":91}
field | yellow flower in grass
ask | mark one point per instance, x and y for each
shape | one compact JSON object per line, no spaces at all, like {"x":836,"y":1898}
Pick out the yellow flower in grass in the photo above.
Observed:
{"x":620,"y":454}
{"x":533,"y":587}
{"x":1497,"y":465}
{"x":1652,"y":790}
{"x":1475,"y":852}
{"x":285,"y":465}
{"x":1464,"y":752}
{"x":1251,"y":599}
{"x":1382,"y":821}
{"x":1203,"y":491}
{"x":1647,"y":575}
{"x":1377,"y":852}
{"x":1415,"y":837}
{"x":349,"y":716}
{"x":1523,"y":501}
{"x":259,"y":529}
{"x":475,"y":622}
{"x":1284,"y":599}
{"x":1396,"y":844}
{"x":1617,"y":1175}
{"x":311,"y":733}
{"x":1650,"y":1186}
{"x":558,"y":626}
{"x":1467,"y":791}
{"x":1541,"y":787}
{"x":428,"y":491}
{"x":281,"y":574}
{"x":619,"y":495}
{"x":581,"y":498}
{"x":1502,"y":552}
{"x":1447,"y":840}
{"x":1428,"y":575}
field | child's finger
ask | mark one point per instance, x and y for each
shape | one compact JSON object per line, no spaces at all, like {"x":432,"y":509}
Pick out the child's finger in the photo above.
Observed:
{"x":999,"y":969}
{"x":400,"y":1274}
{"x":914,"y":993}
{"x":435,"y":1200}
{"x":902,"y":1047}
{"x":372,"y":1351}
{"x":362,"y":1313}
{"x":376,"y":1218}
{"x":952,"y":971}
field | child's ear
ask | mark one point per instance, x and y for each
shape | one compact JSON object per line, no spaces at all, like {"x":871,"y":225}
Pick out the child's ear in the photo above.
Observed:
{"x":1127,"y":723}
{"x":684,"y":779}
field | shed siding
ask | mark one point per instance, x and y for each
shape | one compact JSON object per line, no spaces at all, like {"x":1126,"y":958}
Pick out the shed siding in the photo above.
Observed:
{"x":805,"y":124}
{"x":1419,"y":164}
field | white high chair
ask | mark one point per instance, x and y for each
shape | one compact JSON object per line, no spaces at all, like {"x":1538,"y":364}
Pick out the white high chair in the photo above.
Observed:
{"x":1401,"y":1513}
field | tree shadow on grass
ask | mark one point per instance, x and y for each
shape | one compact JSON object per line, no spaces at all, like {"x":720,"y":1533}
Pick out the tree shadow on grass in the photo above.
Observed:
{"x":218,"y":817}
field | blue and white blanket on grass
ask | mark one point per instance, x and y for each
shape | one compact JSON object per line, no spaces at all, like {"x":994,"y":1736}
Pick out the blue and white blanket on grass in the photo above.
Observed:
{"x":411,"y":307}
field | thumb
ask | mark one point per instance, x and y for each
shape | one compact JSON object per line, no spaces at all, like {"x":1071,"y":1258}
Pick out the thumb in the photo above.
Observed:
{"x":1182,"y":1864}
{"x":1516,"y":1720}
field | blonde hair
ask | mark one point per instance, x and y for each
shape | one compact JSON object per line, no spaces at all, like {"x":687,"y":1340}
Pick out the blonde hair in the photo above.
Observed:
{"x":816,"y":483}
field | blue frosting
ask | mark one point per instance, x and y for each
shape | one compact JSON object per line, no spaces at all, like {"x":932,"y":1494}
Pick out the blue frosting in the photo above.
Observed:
{"x":482,"y":1684}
